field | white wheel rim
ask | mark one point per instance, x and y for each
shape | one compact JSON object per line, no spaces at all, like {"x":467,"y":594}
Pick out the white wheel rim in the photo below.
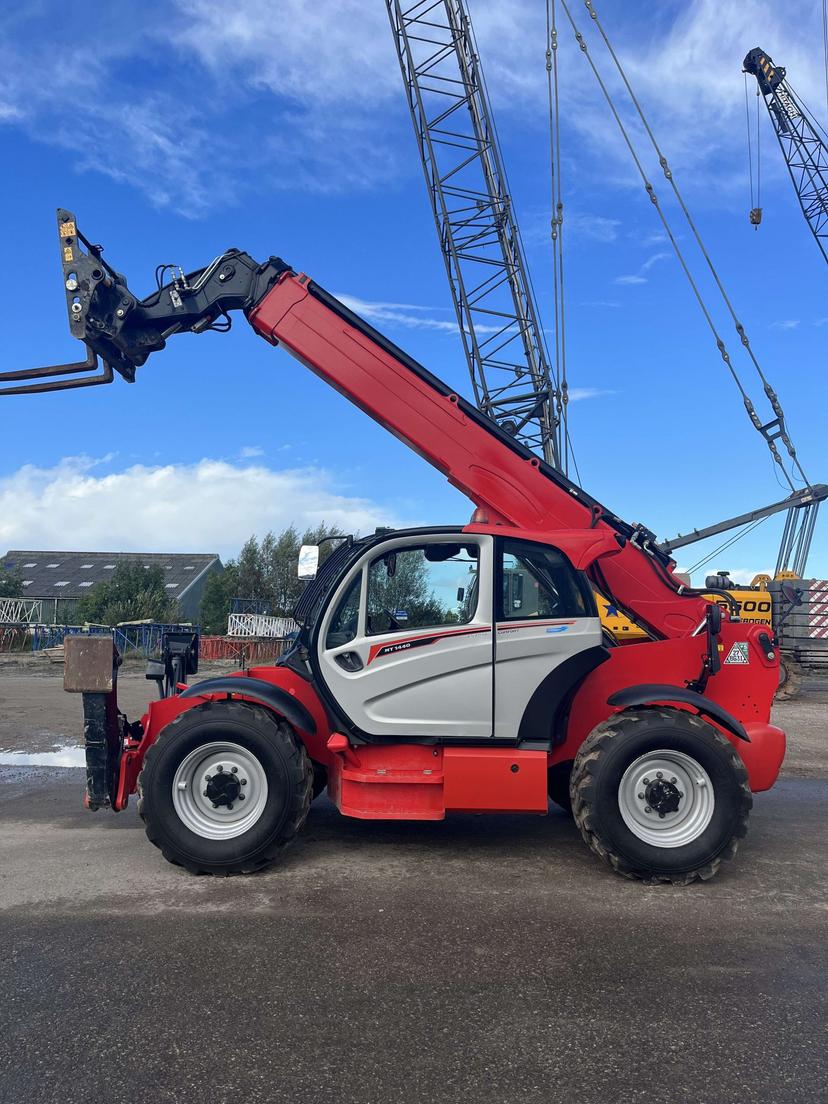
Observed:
{"x":656,"y":782}
{"x":241,"y":794}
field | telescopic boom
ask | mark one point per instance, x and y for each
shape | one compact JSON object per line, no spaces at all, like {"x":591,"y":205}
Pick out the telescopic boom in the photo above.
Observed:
{"x":507,"y":483}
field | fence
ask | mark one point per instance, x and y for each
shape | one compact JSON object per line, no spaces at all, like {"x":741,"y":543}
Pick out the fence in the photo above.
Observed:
{"x":142,"y":640}
{"x":260,"y":625}
{"x":15,"y":638}
{"x":21,"y":611}
{"x":241,"y":651}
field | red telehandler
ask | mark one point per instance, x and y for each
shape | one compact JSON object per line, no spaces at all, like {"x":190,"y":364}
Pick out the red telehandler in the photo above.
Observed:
{"x":453,"y":668}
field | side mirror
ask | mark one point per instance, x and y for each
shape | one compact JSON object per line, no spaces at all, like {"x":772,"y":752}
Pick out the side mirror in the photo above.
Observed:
{"x":461,"y":594}
{"x":791,"y":594}
{"x":308,"y":561}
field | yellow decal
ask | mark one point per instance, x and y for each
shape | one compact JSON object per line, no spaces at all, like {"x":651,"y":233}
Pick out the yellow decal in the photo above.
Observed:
{"x":67,"y":254}
{"x":67,"y":229}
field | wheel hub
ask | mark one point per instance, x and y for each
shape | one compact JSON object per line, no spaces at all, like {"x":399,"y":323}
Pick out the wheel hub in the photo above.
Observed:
{"x":663,"y":796}
{"x":666,"y":798}
{"x":224,"y":787}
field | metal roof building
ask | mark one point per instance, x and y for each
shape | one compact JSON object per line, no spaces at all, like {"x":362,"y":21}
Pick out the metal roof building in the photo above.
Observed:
{"x":59,"y":579}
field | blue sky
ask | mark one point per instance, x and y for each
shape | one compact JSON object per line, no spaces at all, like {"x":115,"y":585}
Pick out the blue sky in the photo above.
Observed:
{"x":177,"y":129}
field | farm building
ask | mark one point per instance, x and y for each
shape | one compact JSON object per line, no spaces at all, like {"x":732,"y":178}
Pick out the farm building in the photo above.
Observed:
{"x":59,"y":579}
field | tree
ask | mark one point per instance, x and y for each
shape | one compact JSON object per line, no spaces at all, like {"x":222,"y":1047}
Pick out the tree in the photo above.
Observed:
{"x":267,"y":569}
{"x":11,"y":583}
{"x":219,"y":591}
{"x":134,"y":593}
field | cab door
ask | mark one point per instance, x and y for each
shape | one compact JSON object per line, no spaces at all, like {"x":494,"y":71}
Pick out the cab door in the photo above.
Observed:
{"x":406,"y":646}
{"x":544,"y":613}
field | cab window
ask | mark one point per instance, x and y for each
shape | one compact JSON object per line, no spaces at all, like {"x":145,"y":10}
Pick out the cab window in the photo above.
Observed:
{"x":345,"y":621}
{"x":426,"y":586}
{"x":538,"y":582}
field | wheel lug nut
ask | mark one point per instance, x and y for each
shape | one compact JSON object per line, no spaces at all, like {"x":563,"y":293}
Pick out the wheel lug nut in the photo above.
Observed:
{"x":646,"y":781}
{"x":244,"y":781}
{"x":659,"y":774}
{"x":208,"y":778}
{"x":234,"y":770}
{"x":647,"y":809}
{"x":205,"y":793}
{"x":673,"y":781}
{"x":241,"y":797}
{"x":680,"y":794}
{"x":215,"y":804}
{"x":641,"y":797}
{"x":219,"y":768}
{"x":661,"y":815}
{"x":230,"y":805}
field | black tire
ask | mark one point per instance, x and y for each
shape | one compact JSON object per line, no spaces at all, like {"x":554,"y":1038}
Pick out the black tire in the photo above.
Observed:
{"x":790,"y":679}
{"x":285,"y":763}
{"x":320,"y":780}
{"x":558,"y":787}
{"x":595,"y":790}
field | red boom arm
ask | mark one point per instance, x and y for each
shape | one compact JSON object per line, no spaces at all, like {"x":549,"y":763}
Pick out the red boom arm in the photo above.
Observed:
{"x":508,"y":485}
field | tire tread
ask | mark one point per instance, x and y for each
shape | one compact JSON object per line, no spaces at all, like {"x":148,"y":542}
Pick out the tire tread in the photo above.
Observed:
{"x":299,"y":764}
{"x":593,"y":750}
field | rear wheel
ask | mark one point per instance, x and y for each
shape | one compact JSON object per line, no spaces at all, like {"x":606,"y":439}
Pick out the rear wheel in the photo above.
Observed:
{"x":660,"y":795}
{"x":790,"y":678}
{"x":224,"y":788}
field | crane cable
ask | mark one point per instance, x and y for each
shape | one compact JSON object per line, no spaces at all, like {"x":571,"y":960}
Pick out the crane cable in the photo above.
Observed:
{"x":765,"y":430}
{"x":725,"y":545}
{"x":825,"y":45}
{"x":755,"y":208}
{"x":557,"y":222}
{"x":758,"y":150}
{"x":753,"y":205}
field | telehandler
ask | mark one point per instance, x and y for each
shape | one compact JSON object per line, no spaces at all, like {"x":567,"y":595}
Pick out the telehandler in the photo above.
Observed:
{"x":424,"y":679}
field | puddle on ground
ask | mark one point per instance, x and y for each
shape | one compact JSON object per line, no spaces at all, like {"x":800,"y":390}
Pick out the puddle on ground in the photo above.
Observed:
{"x":69,"y":756}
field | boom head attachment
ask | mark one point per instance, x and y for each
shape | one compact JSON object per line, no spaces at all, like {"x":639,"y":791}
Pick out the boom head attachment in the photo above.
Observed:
{"x":120,"y":330}
{"x":768,"y":75}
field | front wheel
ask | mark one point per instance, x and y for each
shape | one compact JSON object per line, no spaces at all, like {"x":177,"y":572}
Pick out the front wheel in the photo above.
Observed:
{"x":224,"y":788}
{"x":660,"y":795}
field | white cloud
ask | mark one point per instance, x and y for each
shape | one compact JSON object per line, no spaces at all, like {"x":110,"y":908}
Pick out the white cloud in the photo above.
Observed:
{"x":656,"y":257}
{"x":249,"y":452}
{"x":598,"y":228}
{"x":164,"y":99}
{"x":577,"y":394}
{"x":788,"y":324}
{"x":408,"y":315}
{"x":630,"y":280}
{"x":142,"y":507}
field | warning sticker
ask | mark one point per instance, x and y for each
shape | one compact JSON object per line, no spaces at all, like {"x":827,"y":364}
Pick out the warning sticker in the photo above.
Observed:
{"x":738,"y":653}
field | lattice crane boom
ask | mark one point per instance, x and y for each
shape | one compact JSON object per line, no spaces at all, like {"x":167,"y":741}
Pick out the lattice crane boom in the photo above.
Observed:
{"x":479,"y":237}
{"x":802,"y":145}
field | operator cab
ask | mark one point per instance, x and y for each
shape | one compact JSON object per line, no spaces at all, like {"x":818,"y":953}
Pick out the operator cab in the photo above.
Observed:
{"x":445,"y":635}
